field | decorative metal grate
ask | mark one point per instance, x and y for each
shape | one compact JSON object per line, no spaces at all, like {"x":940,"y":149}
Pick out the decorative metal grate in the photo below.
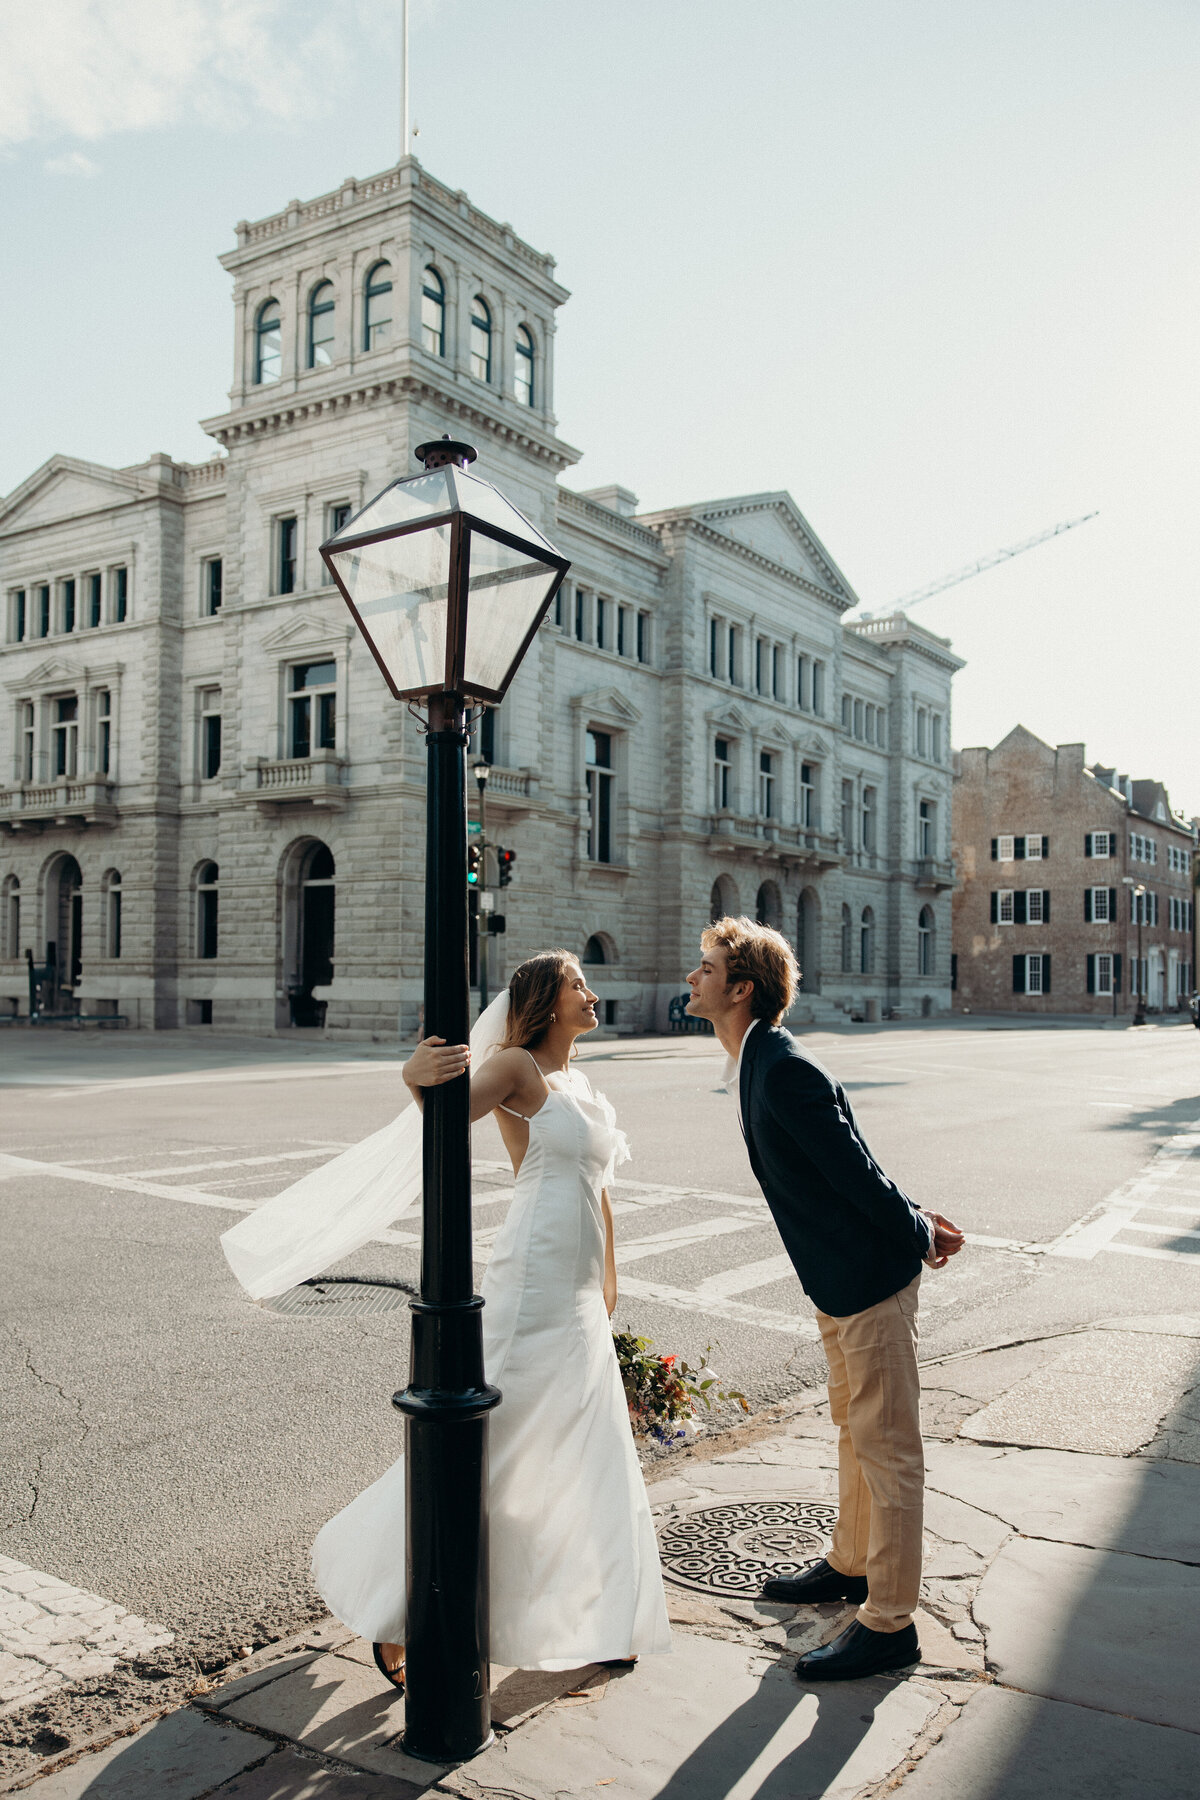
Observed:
{"x":732,"y":1549}
{"x":342,"y":1297}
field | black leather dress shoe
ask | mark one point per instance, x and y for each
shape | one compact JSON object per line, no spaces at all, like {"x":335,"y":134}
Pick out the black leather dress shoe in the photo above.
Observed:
{"x":858,"y":1651}
{"x":816,"y":1584}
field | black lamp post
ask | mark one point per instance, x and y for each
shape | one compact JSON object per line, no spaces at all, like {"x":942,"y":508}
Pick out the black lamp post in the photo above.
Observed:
{"x":448,"y":583}
{"x":481,"y":771}
{"x":1139,"y":1016}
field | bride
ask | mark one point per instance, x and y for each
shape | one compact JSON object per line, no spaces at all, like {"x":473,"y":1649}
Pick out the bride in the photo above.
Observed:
{"x":574,"y":1562}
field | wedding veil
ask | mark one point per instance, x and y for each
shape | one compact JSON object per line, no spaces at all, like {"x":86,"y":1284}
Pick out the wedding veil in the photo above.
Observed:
{"x":334,"y":1210}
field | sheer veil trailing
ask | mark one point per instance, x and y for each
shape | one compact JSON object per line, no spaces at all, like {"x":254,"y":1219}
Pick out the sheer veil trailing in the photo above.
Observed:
{"x":334,"y":1210}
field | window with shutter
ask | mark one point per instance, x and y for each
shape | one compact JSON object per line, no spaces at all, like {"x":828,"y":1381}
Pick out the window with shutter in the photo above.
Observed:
{"x":1034,"y":906}
{"x":1033,"y":974}
{"x":1004,"y":849}
{"x":1005,"y":913}
{"x":1033,"y":846}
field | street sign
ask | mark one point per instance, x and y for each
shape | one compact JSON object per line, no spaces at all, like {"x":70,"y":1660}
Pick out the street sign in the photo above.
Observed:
{"x":487,"y":902}
{"x":474,"y":828}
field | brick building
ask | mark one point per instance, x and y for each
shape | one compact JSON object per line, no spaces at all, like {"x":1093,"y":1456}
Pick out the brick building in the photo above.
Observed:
{"x":1051,"y":855}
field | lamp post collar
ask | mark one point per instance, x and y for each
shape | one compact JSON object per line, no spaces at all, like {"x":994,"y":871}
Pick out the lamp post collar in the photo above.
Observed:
{"x":440,"y":451}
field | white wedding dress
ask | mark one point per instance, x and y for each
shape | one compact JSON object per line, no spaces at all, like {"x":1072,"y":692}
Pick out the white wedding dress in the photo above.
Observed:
{"x":574,"y":1562}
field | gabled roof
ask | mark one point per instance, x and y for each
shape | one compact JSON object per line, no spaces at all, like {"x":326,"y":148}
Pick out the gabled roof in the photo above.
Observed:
{"x":65,"y":487}
{"x":771,"y":530}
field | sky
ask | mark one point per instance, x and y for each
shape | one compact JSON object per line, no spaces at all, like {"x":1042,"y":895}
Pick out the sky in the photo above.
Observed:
{"x":931,"y":266}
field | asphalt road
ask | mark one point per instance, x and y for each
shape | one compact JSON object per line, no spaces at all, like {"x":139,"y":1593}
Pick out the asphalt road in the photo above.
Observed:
{"x":173,"y":1448}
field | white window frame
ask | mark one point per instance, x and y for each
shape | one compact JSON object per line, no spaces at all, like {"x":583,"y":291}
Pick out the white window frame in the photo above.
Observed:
{"x":600,"y":779}
{"x":809,"y":811}
{"x":1003,"y":855}
{"x":767,"y":776}
{"x":1110,"y":845}
{"x":926,"y":828}
{"x":1034,"y":900}
{"x":1100,"y":897}
{"x":1033,"y":959}
{"x":1104,"y":975}
{"x":1031,"y":838}
{"x":1006,"y":895}
{"x":722,"y":774}
{"x":208,"y":706}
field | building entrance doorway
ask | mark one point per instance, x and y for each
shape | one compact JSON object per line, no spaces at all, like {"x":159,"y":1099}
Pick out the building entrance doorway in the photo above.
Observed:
{"x":311,"y":915}
{"x":64,"y":936}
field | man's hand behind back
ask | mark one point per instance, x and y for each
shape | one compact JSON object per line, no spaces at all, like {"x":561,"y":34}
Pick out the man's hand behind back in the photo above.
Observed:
{"x":948,"y":1240}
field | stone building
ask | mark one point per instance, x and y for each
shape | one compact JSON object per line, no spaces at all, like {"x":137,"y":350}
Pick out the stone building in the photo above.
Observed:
{"x":1051,"y":854}
{"x":211,"y":810}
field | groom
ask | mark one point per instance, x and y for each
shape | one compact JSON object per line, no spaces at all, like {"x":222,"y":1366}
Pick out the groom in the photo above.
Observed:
{"x":857,"y":1243}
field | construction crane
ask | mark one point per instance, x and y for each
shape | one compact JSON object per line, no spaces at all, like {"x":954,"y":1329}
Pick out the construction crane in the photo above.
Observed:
{"x":908,"y":601}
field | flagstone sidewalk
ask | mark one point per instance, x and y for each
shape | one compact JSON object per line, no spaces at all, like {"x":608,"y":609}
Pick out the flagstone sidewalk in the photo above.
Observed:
{"x":1060,"y":1627}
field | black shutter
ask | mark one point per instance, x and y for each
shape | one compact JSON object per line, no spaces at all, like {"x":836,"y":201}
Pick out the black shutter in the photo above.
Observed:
{"x":1116,"y":974}
{"x":1019,"y":849}
{"x":1091,"y":979}
{"x":1045,"y":848}
{"x":1112,"y":905}
{"x":995,"y":907}
{"x":1087,"y":906}
{"x":994,"y":850}
{"x":1018,"y":974}
{"x":1020,"y":908}
{"x":1045,"y":906}
{"x":1087,"y":844}
{"x":1046,"y":974}
{"x":953,"y":973}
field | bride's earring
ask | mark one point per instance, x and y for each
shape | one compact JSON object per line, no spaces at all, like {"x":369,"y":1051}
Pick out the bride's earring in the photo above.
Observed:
{"x":554,"y":1018}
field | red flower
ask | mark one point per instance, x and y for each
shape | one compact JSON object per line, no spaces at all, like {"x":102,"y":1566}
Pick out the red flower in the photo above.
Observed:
{"x":667,"y":1361}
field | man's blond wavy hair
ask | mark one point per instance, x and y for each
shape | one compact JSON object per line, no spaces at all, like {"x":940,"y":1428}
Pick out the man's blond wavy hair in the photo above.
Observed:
{"x":759,"y":954}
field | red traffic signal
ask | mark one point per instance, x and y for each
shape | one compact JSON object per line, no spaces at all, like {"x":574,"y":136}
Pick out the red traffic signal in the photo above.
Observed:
{"x":506,"y":859}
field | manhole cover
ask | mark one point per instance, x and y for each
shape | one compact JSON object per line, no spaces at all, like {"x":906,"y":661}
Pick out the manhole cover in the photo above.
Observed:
{"x":342,"y":1299}
{"x":732,"y":1549}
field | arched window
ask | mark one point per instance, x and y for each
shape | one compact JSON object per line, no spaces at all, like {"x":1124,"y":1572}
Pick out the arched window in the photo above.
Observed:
{"x":847,"y":940}
{"x":111,"y":889}
{"x":320,"y":326}
{"x":523,"y":374}
{"x":268,"y":343}
{"x":481,"y":339}
{"x":925,"y":941}
{"x":433,"y":312}
{"x":768,"y":907}
{"x":724,"y":902}
{"x":377,"y":306}
{"x":12,"y":918}
{"x":594,"y":952}
{"x":206,"y":910}
{"x":866,"y":942}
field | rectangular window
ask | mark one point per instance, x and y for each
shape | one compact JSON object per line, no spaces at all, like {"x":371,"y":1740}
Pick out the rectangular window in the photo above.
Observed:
{"x":599,"y":792}
{"x":103,"y":731}
{"x":65,"y":737}
{"x":777,"y":672}
{"x":858,"y":719}
{"x":42,"y":616}
{"x":1005,"y":907}
{"x":808,"y":796}
{"x":868,"y":819}
{"x":580,"y":616}
{"x":766,"y":784}
{"x":1100,"y":908}
{"x":558,"y":606}
{"x":1035,"y":911}
{"x":881,"y":726}
{"x":847,"y":712}
{"x":601,"y":623}
{"x":936,"y":744}
{"x":1104,"y":974}
{"x":120,"y":594}
{"x":731,"y":663}
{"x":722,"y":772}
{"x":28,"y":740}
{"x":113,"y":908}
{"x":287,"y":529}
{"x":714,"y":635}
{"x":95,"y":607}
{"x":210,"y":589}
{"x":818,"y":689}
{"x":622,"y":631}
{"x":925,"y":822}
{"x":1033,"y":976}
{"x":922,"y":731}
{"x":210,"y":732}
{"x":313,"y":706}
{"x":847,"y":813}
{"x":760,"y":652}
{"x":1033,"y":846}
{"x":803,"y":683}
{"x":643,"y":637}
{"x":68,"y":604}
{"x":1101,"y":843}
{"x":1004,"y":849}
{"x":16,"y":616}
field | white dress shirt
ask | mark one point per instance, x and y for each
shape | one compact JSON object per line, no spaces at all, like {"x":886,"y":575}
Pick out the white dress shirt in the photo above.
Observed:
{"x":732,"y":1080}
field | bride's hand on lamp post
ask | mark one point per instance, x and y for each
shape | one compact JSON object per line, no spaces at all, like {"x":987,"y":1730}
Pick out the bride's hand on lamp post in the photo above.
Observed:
{"x":433,"y":1062}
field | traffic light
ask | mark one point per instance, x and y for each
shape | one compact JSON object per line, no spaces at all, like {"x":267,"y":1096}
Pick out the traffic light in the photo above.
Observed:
{"x":474,"y":864}
{"x":506,"y":859}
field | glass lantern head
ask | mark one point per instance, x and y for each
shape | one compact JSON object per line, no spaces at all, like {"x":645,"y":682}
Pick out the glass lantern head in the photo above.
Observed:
{"x":447,"y":581}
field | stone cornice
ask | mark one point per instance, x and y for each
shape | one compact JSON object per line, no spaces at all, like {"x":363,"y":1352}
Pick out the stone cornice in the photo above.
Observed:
{"x":602,"y":518}
{"x":899,"y":632}
{"x":682,"y":523}
{"x":250,"y":423}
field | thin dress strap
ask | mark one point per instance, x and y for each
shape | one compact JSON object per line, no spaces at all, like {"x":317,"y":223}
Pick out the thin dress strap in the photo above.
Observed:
{"x":527,"y":1116}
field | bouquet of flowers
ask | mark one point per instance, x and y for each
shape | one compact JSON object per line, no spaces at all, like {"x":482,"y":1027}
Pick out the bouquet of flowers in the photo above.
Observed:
{"x":665,"y":1392}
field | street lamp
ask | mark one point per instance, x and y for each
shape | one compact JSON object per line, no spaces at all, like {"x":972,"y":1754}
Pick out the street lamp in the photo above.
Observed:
{"x":481,"y":771}
{"x":448,"y":583}
{"x":1139,"y":907}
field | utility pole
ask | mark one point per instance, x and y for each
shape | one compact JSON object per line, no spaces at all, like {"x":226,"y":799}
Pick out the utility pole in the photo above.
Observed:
{"x":482,"y":771}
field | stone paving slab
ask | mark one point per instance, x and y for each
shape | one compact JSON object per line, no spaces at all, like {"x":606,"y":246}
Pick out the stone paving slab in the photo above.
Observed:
{"x":712,"y":1721}
{"x":178,"y":1757}
{"x":1147,"y":1508}
{"x":1008,"y":1746}
{"x":287,"y":1776}
{"x":1104,"y":1392}
{"x":1094,"y":1627}
{"x":342,"y":1709}
{"x":52,"y":1633}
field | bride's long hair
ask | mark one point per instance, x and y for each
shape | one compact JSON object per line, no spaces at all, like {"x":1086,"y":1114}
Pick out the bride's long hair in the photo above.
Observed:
{"x":532,"y":994}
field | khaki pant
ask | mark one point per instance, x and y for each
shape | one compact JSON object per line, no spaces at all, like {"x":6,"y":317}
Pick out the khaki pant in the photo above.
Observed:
{"x":875,"y":1399}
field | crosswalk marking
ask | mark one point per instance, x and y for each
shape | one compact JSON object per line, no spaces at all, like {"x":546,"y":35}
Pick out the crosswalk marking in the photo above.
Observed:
{"x":52,"y":1634}
{"x":751,"y":1275}
{"x":691,"y":1300}
{"x":1100,"y":1230}
{"x":679,"y":1237}
{"x":233,"y":1162}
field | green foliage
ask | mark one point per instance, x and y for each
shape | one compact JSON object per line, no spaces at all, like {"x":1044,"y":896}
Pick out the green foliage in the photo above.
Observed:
{"x":664,"y":1393}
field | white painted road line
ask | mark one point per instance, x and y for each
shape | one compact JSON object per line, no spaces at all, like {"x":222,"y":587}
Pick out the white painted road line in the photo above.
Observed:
{"x":1098,"y":1230}
{"x":751,"y":1275}
{"x":52,"y":1634}
{"x":233,"y":1162}
{"x":690,"y":1300}
{"x":680,"y":1237}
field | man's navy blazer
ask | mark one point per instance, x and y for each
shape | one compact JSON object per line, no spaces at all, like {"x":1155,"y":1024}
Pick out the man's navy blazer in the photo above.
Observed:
{"x":853,"y":1236}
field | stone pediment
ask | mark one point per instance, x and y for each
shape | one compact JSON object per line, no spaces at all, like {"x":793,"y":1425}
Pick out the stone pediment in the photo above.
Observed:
{"x":608,"y":704}
{"x":773,"y":526}
{"x":307,"y":634}
{"x":55,"y":671}
{"x":812,"y":746}
{"x":732,"y":718}
{"x":63,"y":489}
